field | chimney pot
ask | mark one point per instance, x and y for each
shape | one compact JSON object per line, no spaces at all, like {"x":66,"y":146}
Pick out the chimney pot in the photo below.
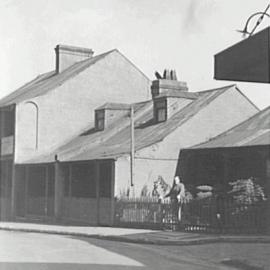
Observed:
{"x":167,"y":84}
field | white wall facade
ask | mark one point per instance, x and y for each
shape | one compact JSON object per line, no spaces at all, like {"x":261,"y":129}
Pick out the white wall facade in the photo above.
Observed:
{"x":69,"y":109}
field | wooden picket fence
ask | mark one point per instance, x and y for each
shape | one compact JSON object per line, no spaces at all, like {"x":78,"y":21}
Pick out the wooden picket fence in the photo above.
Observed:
{"x":207,"y":215}
{"x":143,"y":213}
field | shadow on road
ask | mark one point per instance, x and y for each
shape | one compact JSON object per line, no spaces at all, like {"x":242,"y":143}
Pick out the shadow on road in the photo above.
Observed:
{"x":153,"y":256}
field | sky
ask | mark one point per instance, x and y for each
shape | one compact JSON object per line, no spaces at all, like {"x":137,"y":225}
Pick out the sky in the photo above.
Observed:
{"x":154,"y":34}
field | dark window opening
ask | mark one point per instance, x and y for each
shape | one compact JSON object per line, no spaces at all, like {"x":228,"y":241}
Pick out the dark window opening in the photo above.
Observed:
{"x":105,"y":180}
{"x":7,"y":123}
{"x":160,"y":110}
{"x":83,"y":183}
{"x":5,"y":178}
{"x":37,"y":181}
{"x":99,"y":120}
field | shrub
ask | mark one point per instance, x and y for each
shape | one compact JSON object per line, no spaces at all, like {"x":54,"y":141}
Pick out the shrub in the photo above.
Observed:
{"x":246,"y":191}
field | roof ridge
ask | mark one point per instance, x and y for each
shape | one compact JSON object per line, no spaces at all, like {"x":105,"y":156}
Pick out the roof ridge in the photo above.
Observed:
{"x":238,"y":89}
{"x":132,"y":64}
{"x":217,"y":89}
{"x":29,"y":84}
{"x":113,"y":105}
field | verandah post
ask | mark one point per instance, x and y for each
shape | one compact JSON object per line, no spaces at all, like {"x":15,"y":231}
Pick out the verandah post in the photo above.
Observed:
{"x":132,"y":147}
{"x":13,"y":192}
{"x":58,"y":191}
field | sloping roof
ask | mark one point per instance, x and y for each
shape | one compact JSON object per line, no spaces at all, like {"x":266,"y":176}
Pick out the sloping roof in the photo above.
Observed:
{"x":253,"y":131}
{"x":114,"y":106}
{"x":178,"y":94}
{"x":48,"y":81}
{"x":115,"y":141}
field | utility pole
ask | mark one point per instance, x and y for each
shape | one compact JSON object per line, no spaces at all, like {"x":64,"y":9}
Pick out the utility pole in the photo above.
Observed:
{"x":132,"y":148}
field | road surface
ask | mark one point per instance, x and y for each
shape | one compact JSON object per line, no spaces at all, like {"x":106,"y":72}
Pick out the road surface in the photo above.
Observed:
{"x":27,"y":251}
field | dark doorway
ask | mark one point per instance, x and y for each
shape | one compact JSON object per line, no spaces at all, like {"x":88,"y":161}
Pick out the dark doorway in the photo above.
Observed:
{"x":106,"y":186}
{"x":5,"y":188}
{"x":40,"y":190}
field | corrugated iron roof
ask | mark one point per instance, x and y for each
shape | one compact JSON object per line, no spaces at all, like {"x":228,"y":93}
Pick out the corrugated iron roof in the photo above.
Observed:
{"x":48,"y":81}
{"x":115,"y":141}
{"x":254,"y":131}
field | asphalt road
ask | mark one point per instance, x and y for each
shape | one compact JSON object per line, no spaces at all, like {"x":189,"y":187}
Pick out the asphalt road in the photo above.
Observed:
{"x":29,"y":251}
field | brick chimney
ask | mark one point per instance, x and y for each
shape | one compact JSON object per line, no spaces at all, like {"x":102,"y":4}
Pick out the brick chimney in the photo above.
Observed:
{"x":66,"y":56}
{"x":169,"y":95}
{"x":167,"y":83}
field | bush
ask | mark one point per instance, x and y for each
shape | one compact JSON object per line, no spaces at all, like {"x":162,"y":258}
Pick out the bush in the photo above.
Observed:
{"x":246,"y":191}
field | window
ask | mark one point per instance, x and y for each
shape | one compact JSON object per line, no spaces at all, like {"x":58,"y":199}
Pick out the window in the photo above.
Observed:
{"x":160,"y":110}
{"x":7,"y":123}
{"x":99,"y":121}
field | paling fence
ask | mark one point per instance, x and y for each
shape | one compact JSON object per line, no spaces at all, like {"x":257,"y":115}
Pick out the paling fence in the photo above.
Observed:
{"x":207,"y":215}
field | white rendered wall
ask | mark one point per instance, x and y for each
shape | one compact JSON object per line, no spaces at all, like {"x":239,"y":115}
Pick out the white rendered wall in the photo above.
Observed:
{"x":69,"y":109}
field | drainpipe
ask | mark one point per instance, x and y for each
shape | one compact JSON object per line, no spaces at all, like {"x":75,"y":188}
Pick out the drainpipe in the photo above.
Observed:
{"x":58,"y":190}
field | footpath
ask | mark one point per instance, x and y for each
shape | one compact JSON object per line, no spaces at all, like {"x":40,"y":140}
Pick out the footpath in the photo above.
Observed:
{"x":134,"y":235}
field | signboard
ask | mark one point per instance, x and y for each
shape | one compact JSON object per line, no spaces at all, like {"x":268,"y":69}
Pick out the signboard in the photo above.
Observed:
{"x":7,"y":146}
{"x":248,"y":60}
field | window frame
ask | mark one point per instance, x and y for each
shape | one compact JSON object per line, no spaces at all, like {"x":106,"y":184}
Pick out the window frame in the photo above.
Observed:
{"x":7,"y":122}
{"x":99,"y":118}
{"x":160,"y":105}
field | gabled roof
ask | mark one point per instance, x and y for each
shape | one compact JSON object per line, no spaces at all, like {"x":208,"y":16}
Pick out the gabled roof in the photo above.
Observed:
{"x":254,"y":131}
{"x":48,"y":81}
{"x":114,"y":142}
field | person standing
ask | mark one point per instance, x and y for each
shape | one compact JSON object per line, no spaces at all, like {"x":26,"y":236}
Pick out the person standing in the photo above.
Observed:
{"x":177,"y":195}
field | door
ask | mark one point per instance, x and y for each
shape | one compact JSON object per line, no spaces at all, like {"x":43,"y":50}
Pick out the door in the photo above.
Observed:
{"x":106,"y":192}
